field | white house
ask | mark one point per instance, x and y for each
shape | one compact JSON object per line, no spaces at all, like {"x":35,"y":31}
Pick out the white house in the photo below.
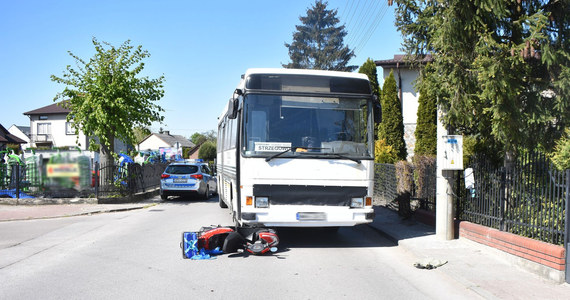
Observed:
{"x":155,"y":141}
{"x":49,"y":129}
{"x":23,"y":132}
{"x":405,"y":76}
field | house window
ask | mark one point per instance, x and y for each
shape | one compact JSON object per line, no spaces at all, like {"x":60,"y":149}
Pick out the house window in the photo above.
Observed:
{"x":43,"y":117}
{"x":44,"y":128}
{"x":69,"y":129}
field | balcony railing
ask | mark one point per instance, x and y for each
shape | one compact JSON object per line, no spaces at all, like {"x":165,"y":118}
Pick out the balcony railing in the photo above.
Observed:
{"x":42,"y":139}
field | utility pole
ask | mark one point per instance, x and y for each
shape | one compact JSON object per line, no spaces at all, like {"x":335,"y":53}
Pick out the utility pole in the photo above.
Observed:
{"x":449,"y":159}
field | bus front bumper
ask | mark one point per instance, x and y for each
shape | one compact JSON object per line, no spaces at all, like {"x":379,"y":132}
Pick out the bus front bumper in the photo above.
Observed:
{"x":308,"y":217}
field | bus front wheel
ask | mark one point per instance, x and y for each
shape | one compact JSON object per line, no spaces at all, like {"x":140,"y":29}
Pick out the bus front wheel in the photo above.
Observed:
{"x":222,"y":203}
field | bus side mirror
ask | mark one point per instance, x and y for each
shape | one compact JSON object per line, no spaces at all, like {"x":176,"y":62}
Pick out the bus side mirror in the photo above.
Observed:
{"x":233,"y":108}
{"x":377,"y":112}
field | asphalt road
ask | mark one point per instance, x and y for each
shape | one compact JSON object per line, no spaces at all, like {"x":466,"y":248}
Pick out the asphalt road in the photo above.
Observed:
{"x":136,"y":254}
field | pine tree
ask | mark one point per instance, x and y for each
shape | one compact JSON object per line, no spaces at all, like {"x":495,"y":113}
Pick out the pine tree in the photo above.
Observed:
{"x":426,"y":130}
{"x":319,"y":42}
{"x":369,"y":68}
{"x":392,"y":127}
{"x":500,"y":70}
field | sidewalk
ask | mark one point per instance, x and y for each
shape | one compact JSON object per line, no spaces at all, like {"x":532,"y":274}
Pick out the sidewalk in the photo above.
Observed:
{"x":477,"y":267}
{"x":28,"y":212}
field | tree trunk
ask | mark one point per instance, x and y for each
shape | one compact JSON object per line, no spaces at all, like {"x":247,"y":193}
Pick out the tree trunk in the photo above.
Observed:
{"x":107,"y":162}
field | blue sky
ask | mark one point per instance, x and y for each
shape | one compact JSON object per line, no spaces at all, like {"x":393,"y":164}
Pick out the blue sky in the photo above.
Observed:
{"x":201,"y":47}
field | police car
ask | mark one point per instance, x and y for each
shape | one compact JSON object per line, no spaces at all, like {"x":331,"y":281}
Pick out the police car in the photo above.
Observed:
{"x":189,"y":177}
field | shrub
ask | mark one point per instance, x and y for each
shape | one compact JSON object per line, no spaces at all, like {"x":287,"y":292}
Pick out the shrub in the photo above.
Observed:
{"x":392,"y":126}
{"x":384,"y":153}
{"x":426,"y":130}
{"x":561,"y":155}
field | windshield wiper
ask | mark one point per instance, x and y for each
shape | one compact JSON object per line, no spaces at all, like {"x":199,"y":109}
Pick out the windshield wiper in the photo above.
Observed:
{"x":292,"y":149}
{"x":343,"y":156}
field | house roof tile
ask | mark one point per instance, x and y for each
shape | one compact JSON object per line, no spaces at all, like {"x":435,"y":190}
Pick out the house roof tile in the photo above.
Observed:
{"x":55,"y":108}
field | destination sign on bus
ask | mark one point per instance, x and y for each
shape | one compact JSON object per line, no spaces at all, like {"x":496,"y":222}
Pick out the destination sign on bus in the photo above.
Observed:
{"x":272,"y":147}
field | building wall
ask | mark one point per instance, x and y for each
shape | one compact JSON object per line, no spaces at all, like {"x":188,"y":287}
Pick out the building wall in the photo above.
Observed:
{"x":152,"y":143}
{"x":17,"y":132}
{"x":61,"y":136}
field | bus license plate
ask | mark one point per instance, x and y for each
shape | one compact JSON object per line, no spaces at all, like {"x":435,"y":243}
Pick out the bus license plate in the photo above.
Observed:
{"x":180,"y":180}
{"x":311,"y":216}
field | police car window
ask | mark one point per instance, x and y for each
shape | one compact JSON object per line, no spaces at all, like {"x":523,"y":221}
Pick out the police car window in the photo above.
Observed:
{"x":181,"y":169}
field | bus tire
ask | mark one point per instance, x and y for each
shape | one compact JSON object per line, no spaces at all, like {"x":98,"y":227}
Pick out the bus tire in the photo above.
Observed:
{"x":222,"y":203}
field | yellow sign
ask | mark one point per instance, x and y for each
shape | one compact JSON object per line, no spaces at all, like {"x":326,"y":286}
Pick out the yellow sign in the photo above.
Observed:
{"x":62,"y":170}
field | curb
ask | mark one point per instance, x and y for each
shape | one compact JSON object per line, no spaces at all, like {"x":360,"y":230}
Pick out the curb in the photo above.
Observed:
{"x":100,"y":211}
{"x":384,"y":234}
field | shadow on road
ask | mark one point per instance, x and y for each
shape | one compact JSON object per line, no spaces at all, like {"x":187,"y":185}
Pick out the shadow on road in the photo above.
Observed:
{"x":188,"y":200}
{"x":345,"y":237}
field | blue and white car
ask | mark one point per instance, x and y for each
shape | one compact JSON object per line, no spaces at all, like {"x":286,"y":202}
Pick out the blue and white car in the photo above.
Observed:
{"x":187,"y":178}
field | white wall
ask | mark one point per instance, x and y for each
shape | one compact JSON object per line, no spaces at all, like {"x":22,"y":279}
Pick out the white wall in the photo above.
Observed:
{"x":152,"y":143}
{"x":410,"y":96}
{"x":58,"y":131}
{"x":17,"y":132}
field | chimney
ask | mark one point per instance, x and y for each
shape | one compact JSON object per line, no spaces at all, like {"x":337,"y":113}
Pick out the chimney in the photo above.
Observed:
{"x":167,"y":132}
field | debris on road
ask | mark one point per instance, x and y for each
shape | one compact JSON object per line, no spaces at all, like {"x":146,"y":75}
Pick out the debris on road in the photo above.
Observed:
{"x":430,"y":263}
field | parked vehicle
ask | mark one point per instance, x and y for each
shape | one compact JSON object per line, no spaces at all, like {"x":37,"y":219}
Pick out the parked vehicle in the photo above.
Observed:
{"x":192,"y":177}
{"x":296,"y":149}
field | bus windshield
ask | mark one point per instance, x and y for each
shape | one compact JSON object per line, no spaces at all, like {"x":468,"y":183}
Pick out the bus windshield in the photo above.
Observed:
{"x":308,"y":126}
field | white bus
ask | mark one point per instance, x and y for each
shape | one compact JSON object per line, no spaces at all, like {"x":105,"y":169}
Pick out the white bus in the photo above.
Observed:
{"x":296,"y":149}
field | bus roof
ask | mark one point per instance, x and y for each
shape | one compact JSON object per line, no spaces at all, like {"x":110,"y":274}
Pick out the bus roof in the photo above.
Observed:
{"x":278,"y":71}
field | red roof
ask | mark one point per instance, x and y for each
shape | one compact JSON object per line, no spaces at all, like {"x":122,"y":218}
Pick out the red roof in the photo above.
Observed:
{"x":55,"y":108}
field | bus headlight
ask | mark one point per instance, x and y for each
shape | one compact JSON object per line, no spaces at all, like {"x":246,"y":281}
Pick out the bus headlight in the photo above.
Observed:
{"x":357,"y":202}
{"x":261,"y":202}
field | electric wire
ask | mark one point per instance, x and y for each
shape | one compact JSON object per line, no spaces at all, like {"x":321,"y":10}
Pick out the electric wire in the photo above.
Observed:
{"x":357,"y":23}
{"x":372,"y":29}
{"x":368,"y":21}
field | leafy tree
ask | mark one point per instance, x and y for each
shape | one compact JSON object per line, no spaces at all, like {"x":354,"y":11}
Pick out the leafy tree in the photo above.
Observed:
{"x":108,"y":98}
{"x":140,"y":133}
{"x":208,"y":151}
{"x":392,"y":127}
{"x":501,"y":69}
{"x":319,"y":42}
{"x":426,"y":130}
{"x":198,"y":138}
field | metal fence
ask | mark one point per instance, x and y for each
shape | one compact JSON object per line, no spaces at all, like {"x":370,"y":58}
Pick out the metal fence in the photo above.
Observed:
{"x":29,"y":179}
{"x":386,"y":180}
{"x":385,"y":184}
{"x":20,"y":180}
{"x":126,"y":180}
{"x":527,"y":199}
